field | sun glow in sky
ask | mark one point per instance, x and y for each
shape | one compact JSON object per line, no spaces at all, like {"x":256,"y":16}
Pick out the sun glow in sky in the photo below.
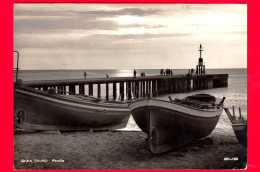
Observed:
{"x":130,"y":36}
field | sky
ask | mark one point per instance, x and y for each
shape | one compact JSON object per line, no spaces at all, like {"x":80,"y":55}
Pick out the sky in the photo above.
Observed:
{"x":129,"y":36}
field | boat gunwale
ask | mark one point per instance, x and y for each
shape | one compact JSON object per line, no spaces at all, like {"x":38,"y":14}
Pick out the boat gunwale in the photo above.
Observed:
{"x":181,"y":113}
{"x":191,"y":107}
{"x":239,"y":124}
{"x":84,"y":106}
{"x":70,"y":99}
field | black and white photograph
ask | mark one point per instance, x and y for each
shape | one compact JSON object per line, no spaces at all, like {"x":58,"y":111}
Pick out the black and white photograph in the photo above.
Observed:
{"x":110,"y":86}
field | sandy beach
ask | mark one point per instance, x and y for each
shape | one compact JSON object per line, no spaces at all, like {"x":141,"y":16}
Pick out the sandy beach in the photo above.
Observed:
{"x":122,"y":150}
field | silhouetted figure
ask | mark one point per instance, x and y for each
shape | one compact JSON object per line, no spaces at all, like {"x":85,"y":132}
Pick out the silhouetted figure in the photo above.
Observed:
{"x":161,"y":72}
{"x":107,"y":75}
{"x":192,"y":70}
{"x":85,"y":74}
{"x":134,"y":73}
{"x":171,"y":72}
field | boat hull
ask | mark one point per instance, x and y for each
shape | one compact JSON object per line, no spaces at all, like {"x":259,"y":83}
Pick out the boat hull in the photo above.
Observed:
{"x":46,"y":112}
{"x":240,"y":131}
{"x":170,"y":125}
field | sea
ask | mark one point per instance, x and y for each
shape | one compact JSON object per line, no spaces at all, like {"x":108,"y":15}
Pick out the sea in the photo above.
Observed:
{"x":235,"y":93}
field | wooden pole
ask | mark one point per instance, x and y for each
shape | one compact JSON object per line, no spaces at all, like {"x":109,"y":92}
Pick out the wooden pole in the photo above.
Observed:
{"x":72,"y":89}
{"x":129,"y":90}
{"x":114,"y":91}
{"x":98,"y":91}
{"x":81,"y":89}
{"x":107,"y":91}
{"x":240,"y":116}
{"x":90,"y":88}
{"x":233,"y":111}
{"x":137,"y":89}
{"x":122,"y":91}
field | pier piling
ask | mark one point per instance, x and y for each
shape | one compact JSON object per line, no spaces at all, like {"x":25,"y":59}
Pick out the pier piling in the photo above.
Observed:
{"x":135,"y":87}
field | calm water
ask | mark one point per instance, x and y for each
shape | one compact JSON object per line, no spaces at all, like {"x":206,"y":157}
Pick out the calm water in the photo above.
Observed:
{"x":235,"y":93}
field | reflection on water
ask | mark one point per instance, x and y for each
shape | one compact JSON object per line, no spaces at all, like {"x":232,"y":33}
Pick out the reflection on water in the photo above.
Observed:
{"x":122,"y":73}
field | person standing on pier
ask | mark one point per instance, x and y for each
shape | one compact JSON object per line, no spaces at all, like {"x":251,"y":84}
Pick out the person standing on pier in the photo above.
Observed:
{"x":161,"y":72}
{"x":85,"y":74}
{"x":134,"y":73}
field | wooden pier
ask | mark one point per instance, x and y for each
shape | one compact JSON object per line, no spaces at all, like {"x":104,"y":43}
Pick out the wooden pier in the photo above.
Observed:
{"x":130,"y":87}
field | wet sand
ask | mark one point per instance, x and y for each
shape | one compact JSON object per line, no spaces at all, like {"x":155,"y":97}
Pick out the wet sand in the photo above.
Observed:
{"x":122,"y":150}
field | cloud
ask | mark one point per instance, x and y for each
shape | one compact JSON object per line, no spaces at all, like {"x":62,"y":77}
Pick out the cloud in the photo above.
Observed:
{"x":63,"y":10}
{"x":30,"y":25}
{"x":96,"y":41}
{"x":124,"y":11}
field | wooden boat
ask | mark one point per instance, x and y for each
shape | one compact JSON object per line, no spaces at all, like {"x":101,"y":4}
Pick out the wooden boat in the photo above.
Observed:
{"x":170,"y":124}
{"x":239,"y":126}
{"x":47,"y":110}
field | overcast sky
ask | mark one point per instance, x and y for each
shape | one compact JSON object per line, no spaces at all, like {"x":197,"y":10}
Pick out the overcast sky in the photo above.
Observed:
{"x":130,"y":36}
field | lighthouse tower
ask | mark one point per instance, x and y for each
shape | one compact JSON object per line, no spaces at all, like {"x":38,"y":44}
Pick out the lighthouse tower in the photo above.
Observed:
{"x":200,"y":67}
